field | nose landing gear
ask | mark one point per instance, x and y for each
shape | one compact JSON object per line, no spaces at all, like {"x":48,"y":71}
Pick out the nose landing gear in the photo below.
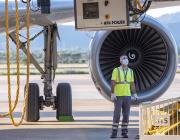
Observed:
{"x":62,"y":102}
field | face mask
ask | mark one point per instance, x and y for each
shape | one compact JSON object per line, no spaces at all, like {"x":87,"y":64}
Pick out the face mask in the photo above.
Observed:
{"x":125,"y":62}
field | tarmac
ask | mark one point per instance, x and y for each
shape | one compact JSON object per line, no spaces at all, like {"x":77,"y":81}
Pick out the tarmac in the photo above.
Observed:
{"x":93,"y":120}
{"x":92,"y":113}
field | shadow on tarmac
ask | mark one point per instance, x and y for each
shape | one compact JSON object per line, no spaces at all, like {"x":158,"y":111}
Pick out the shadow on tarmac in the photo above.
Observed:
{"x":91,"y":127}
{"x":62,"y":134}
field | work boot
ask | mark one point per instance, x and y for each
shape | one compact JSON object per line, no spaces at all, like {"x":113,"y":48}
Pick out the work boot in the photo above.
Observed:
{"x":114,"y":134}
{"x":124,"y":133}
{"x":137,"y":137}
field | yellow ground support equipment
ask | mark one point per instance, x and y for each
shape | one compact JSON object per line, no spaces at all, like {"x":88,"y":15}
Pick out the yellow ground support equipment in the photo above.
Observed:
{"x":160,"y":118}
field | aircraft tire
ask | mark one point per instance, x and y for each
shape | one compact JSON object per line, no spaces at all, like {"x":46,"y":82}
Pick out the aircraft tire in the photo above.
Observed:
{"x":32,"y":112}
{"x":63,"y":102}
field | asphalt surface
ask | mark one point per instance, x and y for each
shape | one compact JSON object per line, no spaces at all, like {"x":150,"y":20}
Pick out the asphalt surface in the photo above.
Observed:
{"x":92,"y":113}
{"x":82,"y":86}
{"x":93,"y":120}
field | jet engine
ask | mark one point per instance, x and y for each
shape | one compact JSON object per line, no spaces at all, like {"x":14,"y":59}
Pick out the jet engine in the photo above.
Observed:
{"x":152,"y":54}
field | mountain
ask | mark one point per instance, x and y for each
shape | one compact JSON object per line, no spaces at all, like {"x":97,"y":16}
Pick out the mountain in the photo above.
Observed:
{"x":172,"y":22}
{"x":175,"y":30}
{"x":70,"y":39}
{"x":78,"y":40}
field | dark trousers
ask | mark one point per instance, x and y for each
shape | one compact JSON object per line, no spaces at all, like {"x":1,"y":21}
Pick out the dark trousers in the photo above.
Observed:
{"x":123,"y":103}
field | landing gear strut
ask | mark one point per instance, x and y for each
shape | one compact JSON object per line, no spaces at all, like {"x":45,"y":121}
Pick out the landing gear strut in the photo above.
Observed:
{"x":62,"y":102}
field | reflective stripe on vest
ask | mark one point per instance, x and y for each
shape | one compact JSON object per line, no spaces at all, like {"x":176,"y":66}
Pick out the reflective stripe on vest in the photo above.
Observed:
{"x":122,"y":82}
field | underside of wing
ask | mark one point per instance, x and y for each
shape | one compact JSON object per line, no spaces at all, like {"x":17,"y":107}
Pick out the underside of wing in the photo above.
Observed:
{"x":164,"y":3}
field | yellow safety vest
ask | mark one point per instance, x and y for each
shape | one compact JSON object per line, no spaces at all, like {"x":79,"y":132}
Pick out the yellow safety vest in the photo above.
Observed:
{"x":123,"y":78}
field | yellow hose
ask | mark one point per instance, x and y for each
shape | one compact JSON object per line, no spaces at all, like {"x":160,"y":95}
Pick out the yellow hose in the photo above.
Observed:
{"x":139,"y":5}
{"x":11,"y":109}
{"x":17,"y":61}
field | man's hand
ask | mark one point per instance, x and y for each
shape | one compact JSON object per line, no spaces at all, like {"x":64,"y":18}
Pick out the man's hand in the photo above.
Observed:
{"x":134,"y":97}
{"x":113,"y":97}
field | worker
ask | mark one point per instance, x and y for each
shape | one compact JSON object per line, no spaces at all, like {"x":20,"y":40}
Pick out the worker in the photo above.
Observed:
{"x":122,"y":84}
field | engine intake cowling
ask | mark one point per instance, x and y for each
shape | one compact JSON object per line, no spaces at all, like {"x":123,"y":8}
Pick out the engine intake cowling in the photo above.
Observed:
{"x":152,"y":54}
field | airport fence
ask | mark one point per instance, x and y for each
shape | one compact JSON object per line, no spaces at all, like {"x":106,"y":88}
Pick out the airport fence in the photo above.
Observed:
{"x":160,"y":120}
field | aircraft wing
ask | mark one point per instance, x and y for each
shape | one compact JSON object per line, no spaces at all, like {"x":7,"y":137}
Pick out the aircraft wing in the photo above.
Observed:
{"x":61,"y":11}
{"x":164,"y":3}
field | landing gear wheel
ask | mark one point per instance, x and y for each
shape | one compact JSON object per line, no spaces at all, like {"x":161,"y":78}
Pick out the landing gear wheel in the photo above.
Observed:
{"x":64,"y":102}
{"x":32,"y":112}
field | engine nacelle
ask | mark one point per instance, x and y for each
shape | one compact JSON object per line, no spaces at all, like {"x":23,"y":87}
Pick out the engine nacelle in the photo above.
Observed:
{"x":152,"y":54}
